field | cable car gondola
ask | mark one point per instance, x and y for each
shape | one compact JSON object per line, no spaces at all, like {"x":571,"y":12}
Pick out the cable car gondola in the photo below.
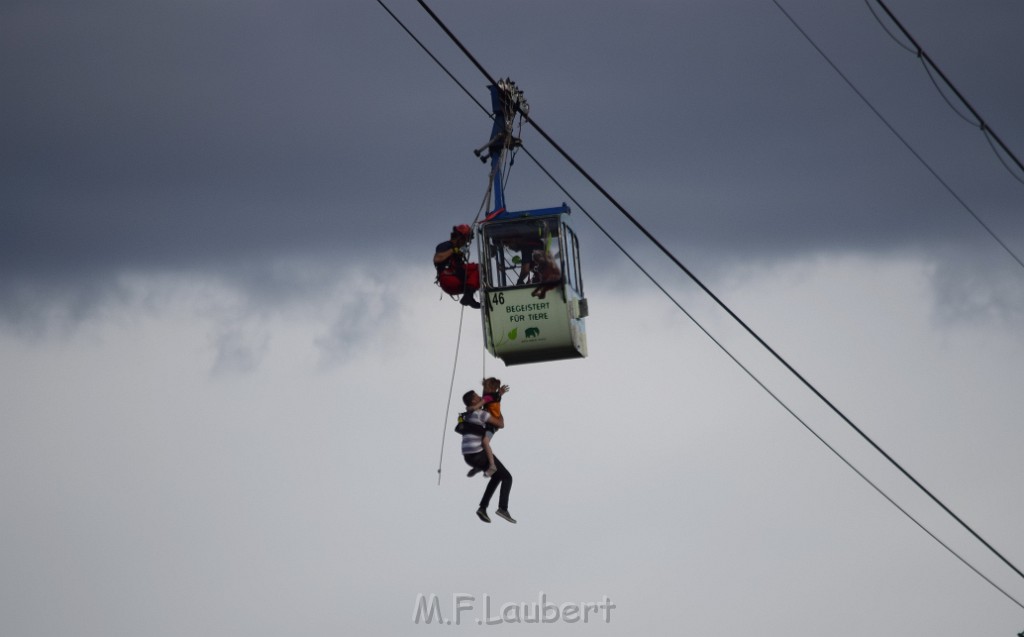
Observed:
{"x":531,"y":282}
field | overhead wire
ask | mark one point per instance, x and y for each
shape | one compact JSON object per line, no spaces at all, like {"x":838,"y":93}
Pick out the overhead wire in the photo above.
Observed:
{"x":729,"y":310}
{"x":999,"y":155}
{"x":1000,"y":150}
{"x":945,"y":98}
{"x":725,"y":307}
{"x":735,"y":317}
{"x":430,"y":54}
{"x":930,"y":64}
{"x":885,"y":27}
{"x":988,"y":229}
{"x":768,"y":390}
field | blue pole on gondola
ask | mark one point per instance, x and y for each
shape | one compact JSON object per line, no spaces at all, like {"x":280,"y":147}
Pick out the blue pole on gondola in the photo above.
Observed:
{"x":499,"y":132}
{"x":506,"y":101}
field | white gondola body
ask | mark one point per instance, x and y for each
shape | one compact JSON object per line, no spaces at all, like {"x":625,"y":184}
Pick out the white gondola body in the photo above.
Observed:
{"x":519,"y":326}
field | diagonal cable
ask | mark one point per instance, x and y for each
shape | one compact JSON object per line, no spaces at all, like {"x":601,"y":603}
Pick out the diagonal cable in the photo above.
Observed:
{"x":696,"y":280}
{"x":903,"y":140}
{"x":726,"y":351}
{"x":963,"y":100}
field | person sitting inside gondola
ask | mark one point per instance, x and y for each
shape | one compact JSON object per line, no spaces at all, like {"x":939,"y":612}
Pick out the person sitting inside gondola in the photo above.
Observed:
{"x":526,"y":246}
{"x":546,"y":267}
{"x":454,"y":274}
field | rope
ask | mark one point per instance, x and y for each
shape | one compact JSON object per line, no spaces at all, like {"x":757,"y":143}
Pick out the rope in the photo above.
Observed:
{"x":458,"y":342}
{"x":988,"y":133}
{"x":448,"y":403}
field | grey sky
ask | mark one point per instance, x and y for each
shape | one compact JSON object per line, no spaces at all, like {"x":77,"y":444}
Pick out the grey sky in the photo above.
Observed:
{"x":227,"y":209}
{"x":182,"y":135}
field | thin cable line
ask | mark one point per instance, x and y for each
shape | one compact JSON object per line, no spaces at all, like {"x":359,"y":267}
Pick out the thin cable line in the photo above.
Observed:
{"x":998,"y":154}
{"x":730,"y":312}
{"x":945,"y":98}
{"x":986,"y":131}
{"x":431,"y":55}
{"x":767,"y":390}
{"x":448,"y":403}
{"x":748,"y":372}
{"x":456,"y":41}
{"x":903,"y":140}
{"x":885,"y":27}
{"x":924,"y":54}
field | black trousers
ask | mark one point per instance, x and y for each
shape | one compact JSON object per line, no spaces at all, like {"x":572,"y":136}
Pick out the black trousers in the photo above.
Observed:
{"x":479,"y":460}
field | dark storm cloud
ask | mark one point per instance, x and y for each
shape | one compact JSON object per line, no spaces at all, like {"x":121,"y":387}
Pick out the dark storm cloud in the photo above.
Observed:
{"x":157,"y":134}
{"x":733,"y":133}
{"x":200,"y":136}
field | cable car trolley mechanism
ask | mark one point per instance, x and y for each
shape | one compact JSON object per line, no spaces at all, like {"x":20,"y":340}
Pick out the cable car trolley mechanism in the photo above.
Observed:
{"x":530,"y":278}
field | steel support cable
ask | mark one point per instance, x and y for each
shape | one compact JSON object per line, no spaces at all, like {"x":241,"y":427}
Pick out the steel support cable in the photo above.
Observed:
{"x":963,"y":100}
{"x":931,"y":72}
{"x":720,"y":346}
{"x":945,"y":98}
{"x":766,"y":389}
{"x":697,"y":281}
{"x":427,"y":51}
{"x":892,"y":129}
{"x":1002,"y":160}
{"x":1000,"y":155}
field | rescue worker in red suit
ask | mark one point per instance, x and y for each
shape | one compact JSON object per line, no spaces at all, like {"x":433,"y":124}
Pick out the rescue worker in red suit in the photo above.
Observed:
{"x":454,"y":274}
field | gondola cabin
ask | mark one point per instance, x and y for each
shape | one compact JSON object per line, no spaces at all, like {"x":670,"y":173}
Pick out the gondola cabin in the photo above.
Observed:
{"x":531,"y":286}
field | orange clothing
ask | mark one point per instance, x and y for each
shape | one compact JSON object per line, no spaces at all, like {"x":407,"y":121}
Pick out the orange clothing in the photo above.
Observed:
{"x":492,"y":403}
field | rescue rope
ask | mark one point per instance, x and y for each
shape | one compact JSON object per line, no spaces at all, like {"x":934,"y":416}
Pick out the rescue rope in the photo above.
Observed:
{"x":458,"y":341}
{"x":451,"y":388}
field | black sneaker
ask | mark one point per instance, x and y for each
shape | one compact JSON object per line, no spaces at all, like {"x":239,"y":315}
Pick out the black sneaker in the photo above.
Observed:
{"x":482,"y":514}
{"x":503,"y":513}
{"x":473,"y":472}
{"x":471,"y":302}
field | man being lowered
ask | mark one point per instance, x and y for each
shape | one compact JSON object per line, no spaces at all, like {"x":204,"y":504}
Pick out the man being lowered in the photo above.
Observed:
{"x":476,"y":451}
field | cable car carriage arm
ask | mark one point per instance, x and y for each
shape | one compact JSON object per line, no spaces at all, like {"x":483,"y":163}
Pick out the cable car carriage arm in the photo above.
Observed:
{"x":524,"y":255}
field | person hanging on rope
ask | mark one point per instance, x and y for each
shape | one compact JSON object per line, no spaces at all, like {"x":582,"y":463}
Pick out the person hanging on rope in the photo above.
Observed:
{"x":493,"y":391}
{"x":455,"y":274}
{"x":476,"y":451}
